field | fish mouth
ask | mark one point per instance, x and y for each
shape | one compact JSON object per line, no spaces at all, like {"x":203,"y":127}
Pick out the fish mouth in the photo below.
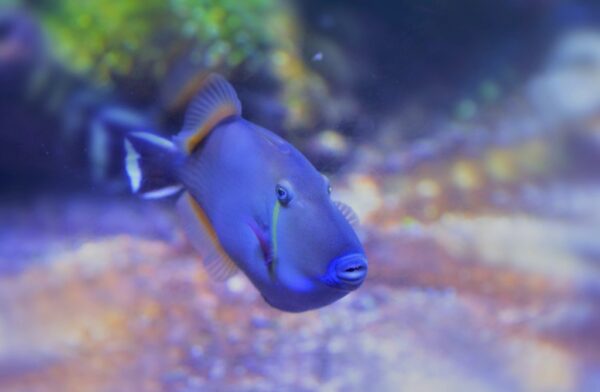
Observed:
{"x":347,"y":272}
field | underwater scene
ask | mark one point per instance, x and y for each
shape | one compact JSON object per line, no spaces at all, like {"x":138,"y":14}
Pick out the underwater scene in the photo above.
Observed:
{"x":299,"y":195}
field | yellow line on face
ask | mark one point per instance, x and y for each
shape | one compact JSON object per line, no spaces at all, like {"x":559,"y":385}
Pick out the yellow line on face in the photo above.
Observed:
{"x":274,"y":221}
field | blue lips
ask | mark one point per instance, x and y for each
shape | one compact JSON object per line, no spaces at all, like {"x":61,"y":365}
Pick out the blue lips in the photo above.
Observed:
{"x":348,"y":272}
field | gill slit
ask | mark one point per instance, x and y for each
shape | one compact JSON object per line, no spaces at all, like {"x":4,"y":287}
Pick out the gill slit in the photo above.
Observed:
{"x":274,"y":221}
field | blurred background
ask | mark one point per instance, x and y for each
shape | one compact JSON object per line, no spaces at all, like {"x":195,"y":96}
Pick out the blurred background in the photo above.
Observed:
{"x":466,"y":135}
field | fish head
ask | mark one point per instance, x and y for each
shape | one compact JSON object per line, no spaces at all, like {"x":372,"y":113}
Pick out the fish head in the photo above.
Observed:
{"x":316,"y":257}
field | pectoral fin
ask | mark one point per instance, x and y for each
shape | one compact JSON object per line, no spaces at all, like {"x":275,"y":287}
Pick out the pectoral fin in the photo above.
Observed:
{"x":348,"y":213}
{"x":204,"y":239}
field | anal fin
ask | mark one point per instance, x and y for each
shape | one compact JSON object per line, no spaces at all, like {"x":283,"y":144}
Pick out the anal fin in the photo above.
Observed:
{"x":204,"y":239}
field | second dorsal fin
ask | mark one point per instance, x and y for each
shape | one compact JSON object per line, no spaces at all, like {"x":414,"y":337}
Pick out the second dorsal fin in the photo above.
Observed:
{"x":215,"y":102}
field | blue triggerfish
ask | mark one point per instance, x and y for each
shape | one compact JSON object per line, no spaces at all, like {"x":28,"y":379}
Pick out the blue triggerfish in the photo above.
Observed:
{"x":249,"y":200}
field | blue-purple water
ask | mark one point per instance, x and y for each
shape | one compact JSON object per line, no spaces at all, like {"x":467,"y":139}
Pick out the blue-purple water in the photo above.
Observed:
{"x":474,"y":170}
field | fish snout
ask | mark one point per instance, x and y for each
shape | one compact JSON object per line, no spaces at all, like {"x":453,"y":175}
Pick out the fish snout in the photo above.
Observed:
{"x":350,"y":270}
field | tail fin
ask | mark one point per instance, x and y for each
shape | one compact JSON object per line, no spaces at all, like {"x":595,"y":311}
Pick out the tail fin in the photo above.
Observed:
{"x":149,"y":163}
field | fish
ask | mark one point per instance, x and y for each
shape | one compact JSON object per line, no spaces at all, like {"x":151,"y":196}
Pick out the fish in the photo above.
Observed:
{"x":250,"y":201}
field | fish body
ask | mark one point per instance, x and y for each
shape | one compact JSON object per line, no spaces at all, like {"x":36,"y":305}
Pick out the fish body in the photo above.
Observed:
{"x":251,"y":201}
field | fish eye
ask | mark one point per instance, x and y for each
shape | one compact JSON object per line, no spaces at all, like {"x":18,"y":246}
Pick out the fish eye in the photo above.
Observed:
{"x":283,"y":195}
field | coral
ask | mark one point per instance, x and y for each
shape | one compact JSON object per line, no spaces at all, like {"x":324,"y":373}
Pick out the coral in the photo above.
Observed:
{"x":172,"y":42}
{"x":105,"y":39}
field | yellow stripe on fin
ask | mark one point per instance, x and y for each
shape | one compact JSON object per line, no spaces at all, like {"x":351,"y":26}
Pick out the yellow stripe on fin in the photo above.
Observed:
{"x":215,"y":101}
{"x":204,"y":239}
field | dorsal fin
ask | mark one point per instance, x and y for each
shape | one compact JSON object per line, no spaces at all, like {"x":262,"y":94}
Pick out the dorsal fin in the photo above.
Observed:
{"x":215,"y":101}
{"x":202,"y":236}
{"x":348,"y":213}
